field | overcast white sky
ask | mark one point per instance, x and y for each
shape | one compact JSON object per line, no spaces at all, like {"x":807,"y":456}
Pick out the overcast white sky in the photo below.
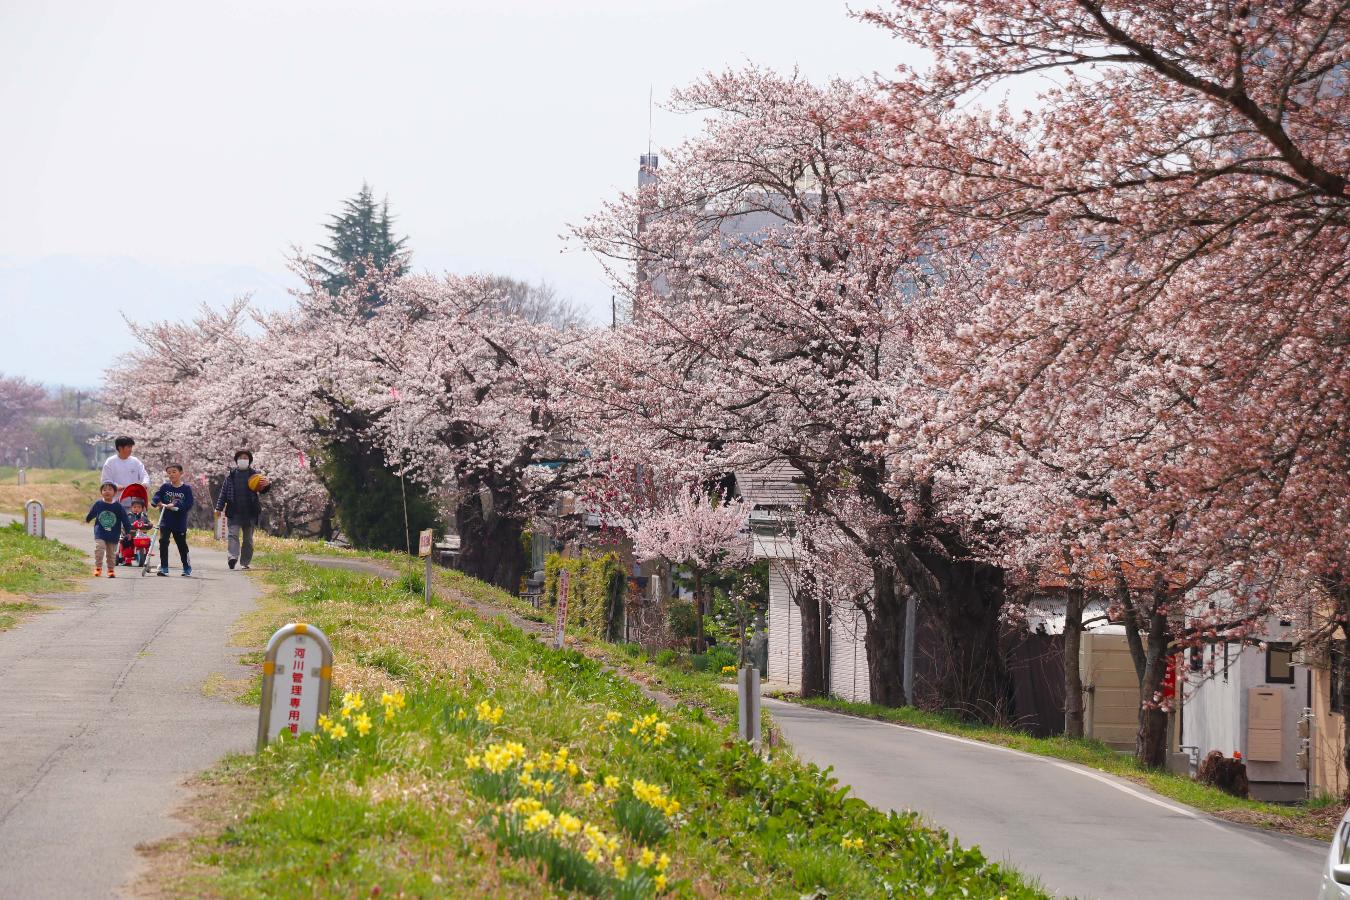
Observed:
{"x":157,"y":155}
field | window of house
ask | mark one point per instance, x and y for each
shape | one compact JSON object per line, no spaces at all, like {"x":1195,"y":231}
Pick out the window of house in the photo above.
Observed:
{"x":1334,"y":675}
{"x":1279,"y":664}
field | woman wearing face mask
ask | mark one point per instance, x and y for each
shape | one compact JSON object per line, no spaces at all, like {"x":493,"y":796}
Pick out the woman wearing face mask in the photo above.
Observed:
{"x":241,"y":505}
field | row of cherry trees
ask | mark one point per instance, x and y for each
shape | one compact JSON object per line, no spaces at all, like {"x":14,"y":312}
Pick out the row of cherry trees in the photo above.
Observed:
{"x":1103,"y":338}
{"x":1099,"y":344}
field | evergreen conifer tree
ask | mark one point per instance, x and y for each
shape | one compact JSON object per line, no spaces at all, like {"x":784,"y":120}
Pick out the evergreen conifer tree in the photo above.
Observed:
{"x":367,"y":496}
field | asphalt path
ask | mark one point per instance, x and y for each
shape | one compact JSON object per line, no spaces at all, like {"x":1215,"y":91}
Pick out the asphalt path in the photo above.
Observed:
{"x":1080,"y":832}
{"x":104,"y":716}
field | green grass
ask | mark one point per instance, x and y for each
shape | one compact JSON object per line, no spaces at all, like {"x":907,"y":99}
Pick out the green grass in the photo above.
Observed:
{"x":34,"y":565}
{"x":399,"y":809}
{"x":1085,"y":751}
{"x":31,"y":566}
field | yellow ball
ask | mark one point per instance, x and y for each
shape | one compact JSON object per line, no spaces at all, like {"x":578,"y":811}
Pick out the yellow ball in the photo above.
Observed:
{"x":253,"y":482}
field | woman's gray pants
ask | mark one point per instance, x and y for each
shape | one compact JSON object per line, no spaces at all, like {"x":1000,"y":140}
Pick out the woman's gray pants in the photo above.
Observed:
{"x":239,"y":539}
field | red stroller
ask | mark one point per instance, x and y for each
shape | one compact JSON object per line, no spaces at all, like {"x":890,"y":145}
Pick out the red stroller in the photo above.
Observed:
{"x":137,"y":546}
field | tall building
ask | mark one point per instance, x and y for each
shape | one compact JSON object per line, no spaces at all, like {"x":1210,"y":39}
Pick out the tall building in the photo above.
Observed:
{"x":648,"y":177}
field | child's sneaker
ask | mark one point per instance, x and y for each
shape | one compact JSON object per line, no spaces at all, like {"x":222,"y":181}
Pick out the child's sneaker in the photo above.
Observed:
{"x":98,"y":573}
{"x":187,"y":570}
{"x":112,"y":574}
{"x":163,"y":572}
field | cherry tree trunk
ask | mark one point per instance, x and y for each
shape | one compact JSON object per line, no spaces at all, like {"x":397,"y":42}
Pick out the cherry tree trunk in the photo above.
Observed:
{"x":1344,"y":688}
{"x":813,"y":657}
{"x":700,"y":606}
{"x":885,"y":640}
{"x":1073,"y":673}
{"x":1150,"y":746}
{"x":966,"y":611}
{"x":490,"y":546}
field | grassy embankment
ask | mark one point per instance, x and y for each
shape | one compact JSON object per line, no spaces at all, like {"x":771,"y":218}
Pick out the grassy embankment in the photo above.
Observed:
{"x":65,"y":493}
{"x":421,"y":804}
{"x":1316,"y":818}
{"x":29,"y":567}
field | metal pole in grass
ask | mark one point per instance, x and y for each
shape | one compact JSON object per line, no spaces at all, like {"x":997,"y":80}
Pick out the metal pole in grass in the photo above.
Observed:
{"x":747,"y":694}
{"x":424,"y":550}
{"x":295,"y":685}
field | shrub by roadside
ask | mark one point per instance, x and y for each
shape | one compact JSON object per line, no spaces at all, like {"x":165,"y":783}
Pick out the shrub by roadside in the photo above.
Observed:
{"x":467,"y":759}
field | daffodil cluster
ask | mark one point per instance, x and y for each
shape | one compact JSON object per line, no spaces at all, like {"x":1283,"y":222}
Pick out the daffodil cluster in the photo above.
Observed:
{"x":728,"y":670}
{"x":851,"y":843}
{"x":487,"y":713}
{"x":334,"y":729}
{"x":650,"y":730}
{"x":353,"y":714}
{"x":611,"y":718}
{"x":564,"y":832}
{"x":392,"y":702}
{"x":655,"y":797}
{"x":497,"y":758}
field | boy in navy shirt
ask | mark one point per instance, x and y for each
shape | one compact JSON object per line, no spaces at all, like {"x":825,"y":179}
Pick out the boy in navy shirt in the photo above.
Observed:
{"x":109,"y":520}
{"x":176,"y":497}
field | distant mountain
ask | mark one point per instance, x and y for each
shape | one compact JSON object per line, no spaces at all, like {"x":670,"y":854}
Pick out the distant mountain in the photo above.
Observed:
{"x":63,"y":315}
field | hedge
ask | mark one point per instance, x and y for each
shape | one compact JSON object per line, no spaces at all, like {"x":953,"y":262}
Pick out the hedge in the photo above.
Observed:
{"x":596,"y":593}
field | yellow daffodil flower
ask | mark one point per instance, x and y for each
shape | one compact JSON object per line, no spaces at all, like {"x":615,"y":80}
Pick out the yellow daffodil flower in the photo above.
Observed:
{"x":337,"y":732}
{"x":363,"y":724}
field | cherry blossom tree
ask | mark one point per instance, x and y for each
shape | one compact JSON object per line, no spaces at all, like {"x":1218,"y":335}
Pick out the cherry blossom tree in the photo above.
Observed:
{"x":179,"y":392}
{"x":700,"y":534}
{"x":20,"y":401}
{"x":460,"y":394}
{"x":1171,"y":237}
{"x":776,"y":314}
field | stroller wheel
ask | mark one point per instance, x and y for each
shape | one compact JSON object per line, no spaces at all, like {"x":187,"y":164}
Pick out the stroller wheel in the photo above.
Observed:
{"x":140,"y":559}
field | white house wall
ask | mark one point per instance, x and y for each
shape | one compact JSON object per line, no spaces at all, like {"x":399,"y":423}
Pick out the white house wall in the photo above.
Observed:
{"x":785,"y":631}
{"x":848,"y":655}
{"x":1215,"y":716}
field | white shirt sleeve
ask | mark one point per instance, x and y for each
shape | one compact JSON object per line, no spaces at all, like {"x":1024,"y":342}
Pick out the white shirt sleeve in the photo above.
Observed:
{"x":107,"y":471}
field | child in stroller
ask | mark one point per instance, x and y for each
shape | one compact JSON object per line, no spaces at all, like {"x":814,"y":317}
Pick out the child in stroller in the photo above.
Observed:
{"x":135,"y":546}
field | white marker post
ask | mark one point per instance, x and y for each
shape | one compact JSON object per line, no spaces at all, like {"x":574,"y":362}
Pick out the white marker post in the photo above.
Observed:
{"x":35,"y":519}
{"x":297,"y":677}
{"x":560,"y":623}
{"x":424,"y":550}
{"x":747,"y":693}
{"x":23,"y":476}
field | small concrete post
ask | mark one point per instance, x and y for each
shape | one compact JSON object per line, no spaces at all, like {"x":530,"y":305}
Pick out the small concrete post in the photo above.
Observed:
{"x":35,"y":519}
{"x":23,"y":476}
{"x":747,"y":693}
{"x":424,"y":547}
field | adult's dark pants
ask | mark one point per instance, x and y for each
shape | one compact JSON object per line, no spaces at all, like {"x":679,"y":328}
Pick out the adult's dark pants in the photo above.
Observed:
{"x":179,"y":538}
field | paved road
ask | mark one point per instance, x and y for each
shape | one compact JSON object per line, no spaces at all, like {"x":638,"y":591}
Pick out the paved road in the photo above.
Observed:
{"x":103,"y":716}
{"x":1080,"y":832}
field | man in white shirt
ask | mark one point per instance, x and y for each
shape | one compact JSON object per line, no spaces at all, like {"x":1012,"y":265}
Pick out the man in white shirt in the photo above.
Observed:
{"x":123,"y":469}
